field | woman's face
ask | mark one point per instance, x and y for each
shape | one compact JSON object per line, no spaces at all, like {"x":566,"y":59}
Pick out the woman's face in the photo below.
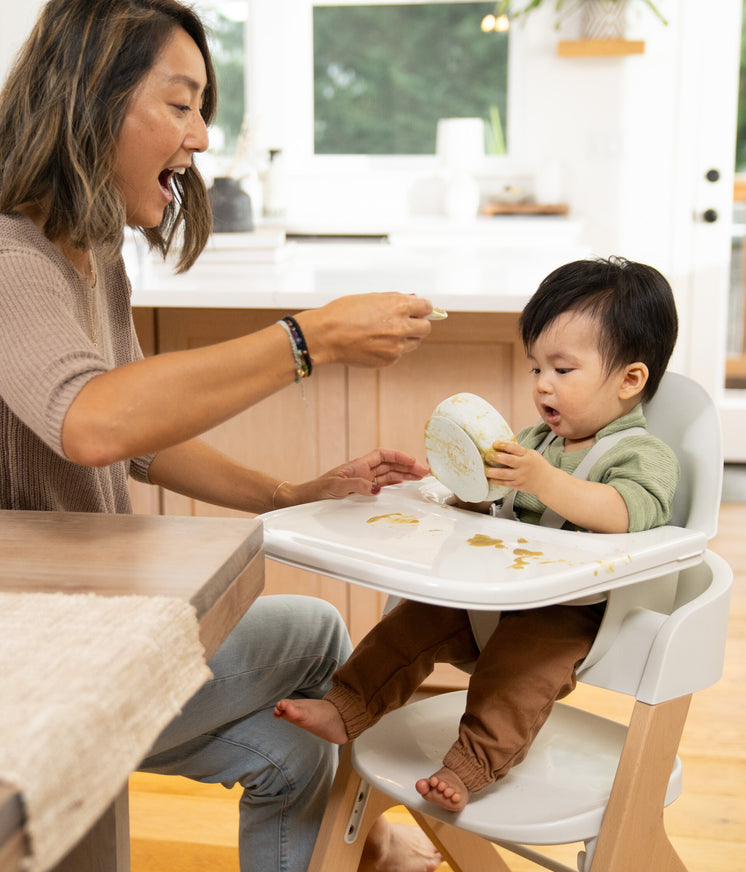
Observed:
{"x":162,"y":130}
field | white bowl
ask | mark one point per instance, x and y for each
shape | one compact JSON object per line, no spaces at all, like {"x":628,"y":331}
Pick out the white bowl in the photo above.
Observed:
{"x":457,"y":435}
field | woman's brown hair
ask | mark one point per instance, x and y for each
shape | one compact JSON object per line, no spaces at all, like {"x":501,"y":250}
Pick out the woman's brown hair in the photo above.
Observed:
{"x":61,"y":113}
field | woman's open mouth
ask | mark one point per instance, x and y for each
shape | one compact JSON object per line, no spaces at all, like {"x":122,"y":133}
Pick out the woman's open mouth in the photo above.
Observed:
{"x":164,"y":180}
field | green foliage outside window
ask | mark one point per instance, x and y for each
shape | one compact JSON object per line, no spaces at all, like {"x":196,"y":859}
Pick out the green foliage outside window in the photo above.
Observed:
{"x":385,"y":74}
{"x":227,"y":48}
{"x":741,"y":131}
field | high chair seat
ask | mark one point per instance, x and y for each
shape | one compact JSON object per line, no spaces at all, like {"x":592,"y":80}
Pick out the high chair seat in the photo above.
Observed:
{"x":557,"y":795}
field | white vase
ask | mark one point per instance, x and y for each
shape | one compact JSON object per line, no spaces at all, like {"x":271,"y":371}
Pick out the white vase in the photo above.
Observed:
{"x":604,"y":19}
{"x":461,"y":196}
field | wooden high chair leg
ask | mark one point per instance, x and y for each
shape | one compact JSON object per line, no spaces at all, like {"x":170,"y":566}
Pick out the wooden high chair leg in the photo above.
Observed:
{"x":632,"y":834}
{"x":331,"y":850}
{"x":462,"y":850}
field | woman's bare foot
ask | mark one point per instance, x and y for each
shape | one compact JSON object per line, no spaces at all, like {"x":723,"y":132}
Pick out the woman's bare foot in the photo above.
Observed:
{"x":317,"y":716}
{"x":398,"y":848}
{"x":445,"y":789}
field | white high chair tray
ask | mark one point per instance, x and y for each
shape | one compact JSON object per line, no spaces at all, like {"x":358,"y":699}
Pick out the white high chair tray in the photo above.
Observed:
{"x":407,"y":541}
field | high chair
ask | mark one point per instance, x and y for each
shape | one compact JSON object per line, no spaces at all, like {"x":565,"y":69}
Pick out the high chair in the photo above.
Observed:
{"x":586,"y":778}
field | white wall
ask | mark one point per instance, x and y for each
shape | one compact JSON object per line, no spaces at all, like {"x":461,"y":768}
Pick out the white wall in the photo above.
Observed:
{"x":16,"y":20}
{"x":609,"y":123}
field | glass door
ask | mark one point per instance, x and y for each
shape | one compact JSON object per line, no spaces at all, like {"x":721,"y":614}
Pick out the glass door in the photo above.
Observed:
{"x":709,"y":225}
{"x":735,"y":361}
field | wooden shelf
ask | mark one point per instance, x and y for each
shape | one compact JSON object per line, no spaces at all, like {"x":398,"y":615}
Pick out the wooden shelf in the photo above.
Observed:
{"x":739,"y":188}
{"x":525,"y":209}
{"x":596,"y":48}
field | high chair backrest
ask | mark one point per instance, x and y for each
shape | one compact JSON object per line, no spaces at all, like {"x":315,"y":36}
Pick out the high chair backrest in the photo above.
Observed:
{"x":684,"y":416}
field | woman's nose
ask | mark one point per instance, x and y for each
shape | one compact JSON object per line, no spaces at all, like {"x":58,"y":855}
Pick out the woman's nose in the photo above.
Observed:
{"x":198,"y":138}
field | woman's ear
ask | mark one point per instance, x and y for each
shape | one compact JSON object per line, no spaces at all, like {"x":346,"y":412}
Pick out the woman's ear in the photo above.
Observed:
{"x":634,"y":379}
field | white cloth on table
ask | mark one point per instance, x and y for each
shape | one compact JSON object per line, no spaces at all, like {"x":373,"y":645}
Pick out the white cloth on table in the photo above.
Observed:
{"x":86,"y":685}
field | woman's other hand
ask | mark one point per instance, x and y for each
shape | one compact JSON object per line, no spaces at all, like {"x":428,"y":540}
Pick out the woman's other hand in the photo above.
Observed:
{"x":365,"y":475}
{"x":367,"y":329}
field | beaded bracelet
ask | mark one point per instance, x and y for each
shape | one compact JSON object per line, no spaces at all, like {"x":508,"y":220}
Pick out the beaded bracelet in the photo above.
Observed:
{"x":299,"y":350}
{"x":299,"y":341}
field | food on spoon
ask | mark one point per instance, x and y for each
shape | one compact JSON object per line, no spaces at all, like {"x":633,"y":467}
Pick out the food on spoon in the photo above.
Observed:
{"x":437,"y":314}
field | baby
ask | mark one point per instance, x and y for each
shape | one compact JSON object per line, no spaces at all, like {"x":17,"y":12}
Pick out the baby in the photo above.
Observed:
{"x":598,"y":335}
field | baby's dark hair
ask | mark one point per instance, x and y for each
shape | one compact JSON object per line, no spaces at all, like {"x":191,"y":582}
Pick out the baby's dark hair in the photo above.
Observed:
{"x":632,"y":302}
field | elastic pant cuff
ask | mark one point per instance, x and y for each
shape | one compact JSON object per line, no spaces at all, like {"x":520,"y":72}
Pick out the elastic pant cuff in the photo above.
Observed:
{"x":351,"y":709}
{"x":468,"y":769}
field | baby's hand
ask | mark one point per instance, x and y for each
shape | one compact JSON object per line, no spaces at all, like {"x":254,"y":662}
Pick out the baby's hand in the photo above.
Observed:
{"x":515,"y":466}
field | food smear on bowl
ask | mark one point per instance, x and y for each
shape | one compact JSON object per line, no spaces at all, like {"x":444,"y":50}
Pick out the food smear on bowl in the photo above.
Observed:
{"x":461,"y":430}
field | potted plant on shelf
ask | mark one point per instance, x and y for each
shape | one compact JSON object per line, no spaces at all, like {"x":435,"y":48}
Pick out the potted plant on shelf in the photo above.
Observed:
{"x":602,"y":19}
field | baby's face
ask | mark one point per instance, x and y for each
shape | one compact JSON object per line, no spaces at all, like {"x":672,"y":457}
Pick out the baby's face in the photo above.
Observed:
{"x":573,"y":392}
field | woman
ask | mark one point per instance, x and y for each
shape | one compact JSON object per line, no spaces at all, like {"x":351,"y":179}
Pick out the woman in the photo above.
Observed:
{"x":100,"y":119}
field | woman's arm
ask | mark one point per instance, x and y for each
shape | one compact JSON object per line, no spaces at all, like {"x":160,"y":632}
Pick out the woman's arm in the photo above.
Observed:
{"x":168,"y":399}
{"x":197,"y":470}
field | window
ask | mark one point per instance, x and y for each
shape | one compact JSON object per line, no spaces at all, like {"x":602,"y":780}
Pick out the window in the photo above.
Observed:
{"x":736,"y":330}
{"x":384,"y":75}
{"x":225,"y":21}
{"x":346,"y":78}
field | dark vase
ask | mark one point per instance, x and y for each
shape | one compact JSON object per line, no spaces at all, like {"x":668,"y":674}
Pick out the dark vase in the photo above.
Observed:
{"x":231,"y":206}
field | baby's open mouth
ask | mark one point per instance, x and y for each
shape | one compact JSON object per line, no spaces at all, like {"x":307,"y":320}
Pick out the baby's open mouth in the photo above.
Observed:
{"x":551,"y":415}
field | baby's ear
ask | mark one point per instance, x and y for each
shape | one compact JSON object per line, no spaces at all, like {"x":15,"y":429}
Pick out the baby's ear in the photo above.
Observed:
{"x":634,"y":379}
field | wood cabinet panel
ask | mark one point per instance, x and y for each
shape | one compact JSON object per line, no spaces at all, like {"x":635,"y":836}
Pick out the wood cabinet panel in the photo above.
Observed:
{"x":146,"y":499}
{"x":478,"y":353}
{"x":347,"y":412}
{"x":285,"y":435}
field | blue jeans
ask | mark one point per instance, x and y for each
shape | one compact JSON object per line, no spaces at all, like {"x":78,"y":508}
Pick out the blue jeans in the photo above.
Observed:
{"x":285,"y":646}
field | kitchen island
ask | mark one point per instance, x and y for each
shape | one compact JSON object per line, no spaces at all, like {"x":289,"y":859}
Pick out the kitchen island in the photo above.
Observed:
{"x":483,"y":278}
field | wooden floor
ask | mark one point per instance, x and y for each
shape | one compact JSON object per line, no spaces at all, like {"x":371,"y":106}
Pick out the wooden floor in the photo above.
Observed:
{"x":180,"y":825}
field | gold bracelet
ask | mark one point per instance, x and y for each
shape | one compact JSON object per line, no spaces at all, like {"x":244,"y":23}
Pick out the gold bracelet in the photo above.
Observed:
{"x":275,"y":493}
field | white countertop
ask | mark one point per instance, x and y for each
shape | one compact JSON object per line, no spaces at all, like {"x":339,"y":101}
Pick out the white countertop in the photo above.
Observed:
{"x":485,"y":266}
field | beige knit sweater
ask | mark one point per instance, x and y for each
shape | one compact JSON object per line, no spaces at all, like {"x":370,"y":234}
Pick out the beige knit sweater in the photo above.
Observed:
{"x":56,"y":333}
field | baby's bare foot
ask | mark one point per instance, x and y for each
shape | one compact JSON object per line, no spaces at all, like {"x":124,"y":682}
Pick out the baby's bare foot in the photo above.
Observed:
{"x":398,"y":847}
{"x":317,"y":716}
{"x":445,"y":789}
